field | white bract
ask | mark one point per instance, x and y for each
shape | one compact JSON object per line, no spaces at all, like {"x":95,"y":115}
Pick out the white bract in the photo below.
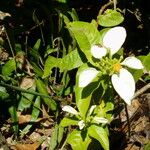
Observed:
{"x":122,"y":80}
{"x":98,"y":52}
{"x":87,"y":76}
{"x":71,"y":110}
{"x":100,"y":120}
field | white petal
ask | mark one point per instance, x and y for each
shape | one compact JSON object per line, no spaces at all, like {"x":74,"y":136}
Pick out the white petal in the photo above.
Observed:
{"x":87,"y":76}
{"x":100,"y":119}
{"x":81,"y":124}
{"x":91,"y":109}
{"x":114,"y":39}
{"x":98,"y":52}
{"x":133,"y":62}
{"x":70,"y":109}
{"x":124,"y":85}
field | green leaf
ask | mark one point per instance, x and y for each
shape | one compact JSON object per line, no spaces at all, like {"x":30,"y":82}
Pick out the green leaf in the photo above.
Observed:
{"x":3,"y":93}
{"x":34,"y":115}
{"x":42,"y":89}
{"x":146,"y":61}
{"x":86,"y":34}
{"x":147,"y":146}
{"x":68,"y":122}
{"x":54,"y":136}
{"x":26,"y":100}
{"x":14,"y":117}
{"x":77,"y":141}
{"x":9,"y":67}
{"x":37,"y":44}
{"x":110,"y":18}
{"x":38,"y":72}
{"x":50,"y":63}
{"x":99,"y":134}
{"x":69,"y":62}
{"x":60,"y":134}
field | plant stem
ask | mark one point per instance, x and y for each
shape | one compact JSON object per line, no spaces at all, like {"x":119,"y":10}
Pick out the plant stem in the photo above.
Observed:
{"x":24,"y":90}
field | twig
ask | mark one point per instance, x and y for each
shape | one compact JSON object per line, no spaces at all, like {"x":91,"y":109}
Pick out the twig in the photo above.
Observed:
{"x":141,"y":91}
{"x":104,"y":7}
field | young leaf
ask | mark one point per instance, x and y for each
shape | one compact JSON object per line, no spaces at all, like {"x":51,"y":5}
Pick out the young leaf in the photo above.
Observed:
{"x":68,"y":122}
{"x":110,"y":18}
{"x":77,"y":141}
{"x":86,"y":34}
{"x":99,"y":134}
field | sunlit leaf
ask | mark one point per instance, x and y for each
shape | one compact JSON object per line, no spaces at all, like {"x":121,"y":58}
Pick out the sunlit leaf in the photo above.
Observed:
{"x":99,"y":134}
{"x":77,"y":141}
{"x":110,"y":18}
{"x":9,"y":67}
{"x":68,"y":121}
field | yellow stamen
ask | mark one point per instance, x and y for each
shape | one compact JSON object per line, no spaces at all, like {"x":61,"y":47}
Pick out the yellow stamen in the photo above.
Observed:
{"x":117,"y":67}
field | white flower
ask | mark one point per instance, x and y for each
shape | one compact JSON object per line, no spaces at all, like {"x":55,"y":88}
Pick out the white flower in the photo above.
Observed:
{"x":113,"y":40}
{"x":123,"y":81}
{"x":100,"y":120}
{"x":70,"y":110}
{"x":87,"y":76}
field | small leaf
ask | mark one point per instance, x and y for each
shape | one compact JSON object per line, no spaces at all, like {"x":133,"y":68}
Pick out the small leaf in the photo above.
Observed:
{"x":77,"y":141}
{"x":9,"y":67}
{"x":68,"y":121}
{"x":99,"y":134}
{"x":110,"y":18}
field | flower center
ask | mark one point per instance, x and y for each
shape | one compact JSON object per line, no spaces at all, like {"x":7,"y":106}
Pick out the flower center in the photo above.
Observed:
{"x":117,"y":67}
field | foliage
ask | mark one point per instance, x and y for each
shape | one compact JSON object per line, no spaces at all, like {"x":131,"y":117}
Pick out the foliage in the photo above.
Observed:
{"x":59,"y":61}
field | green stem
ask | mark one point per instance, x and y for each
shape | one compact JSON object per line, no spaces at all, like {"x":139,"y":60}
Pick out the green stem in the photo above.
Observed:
{"x":24,"y":90}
